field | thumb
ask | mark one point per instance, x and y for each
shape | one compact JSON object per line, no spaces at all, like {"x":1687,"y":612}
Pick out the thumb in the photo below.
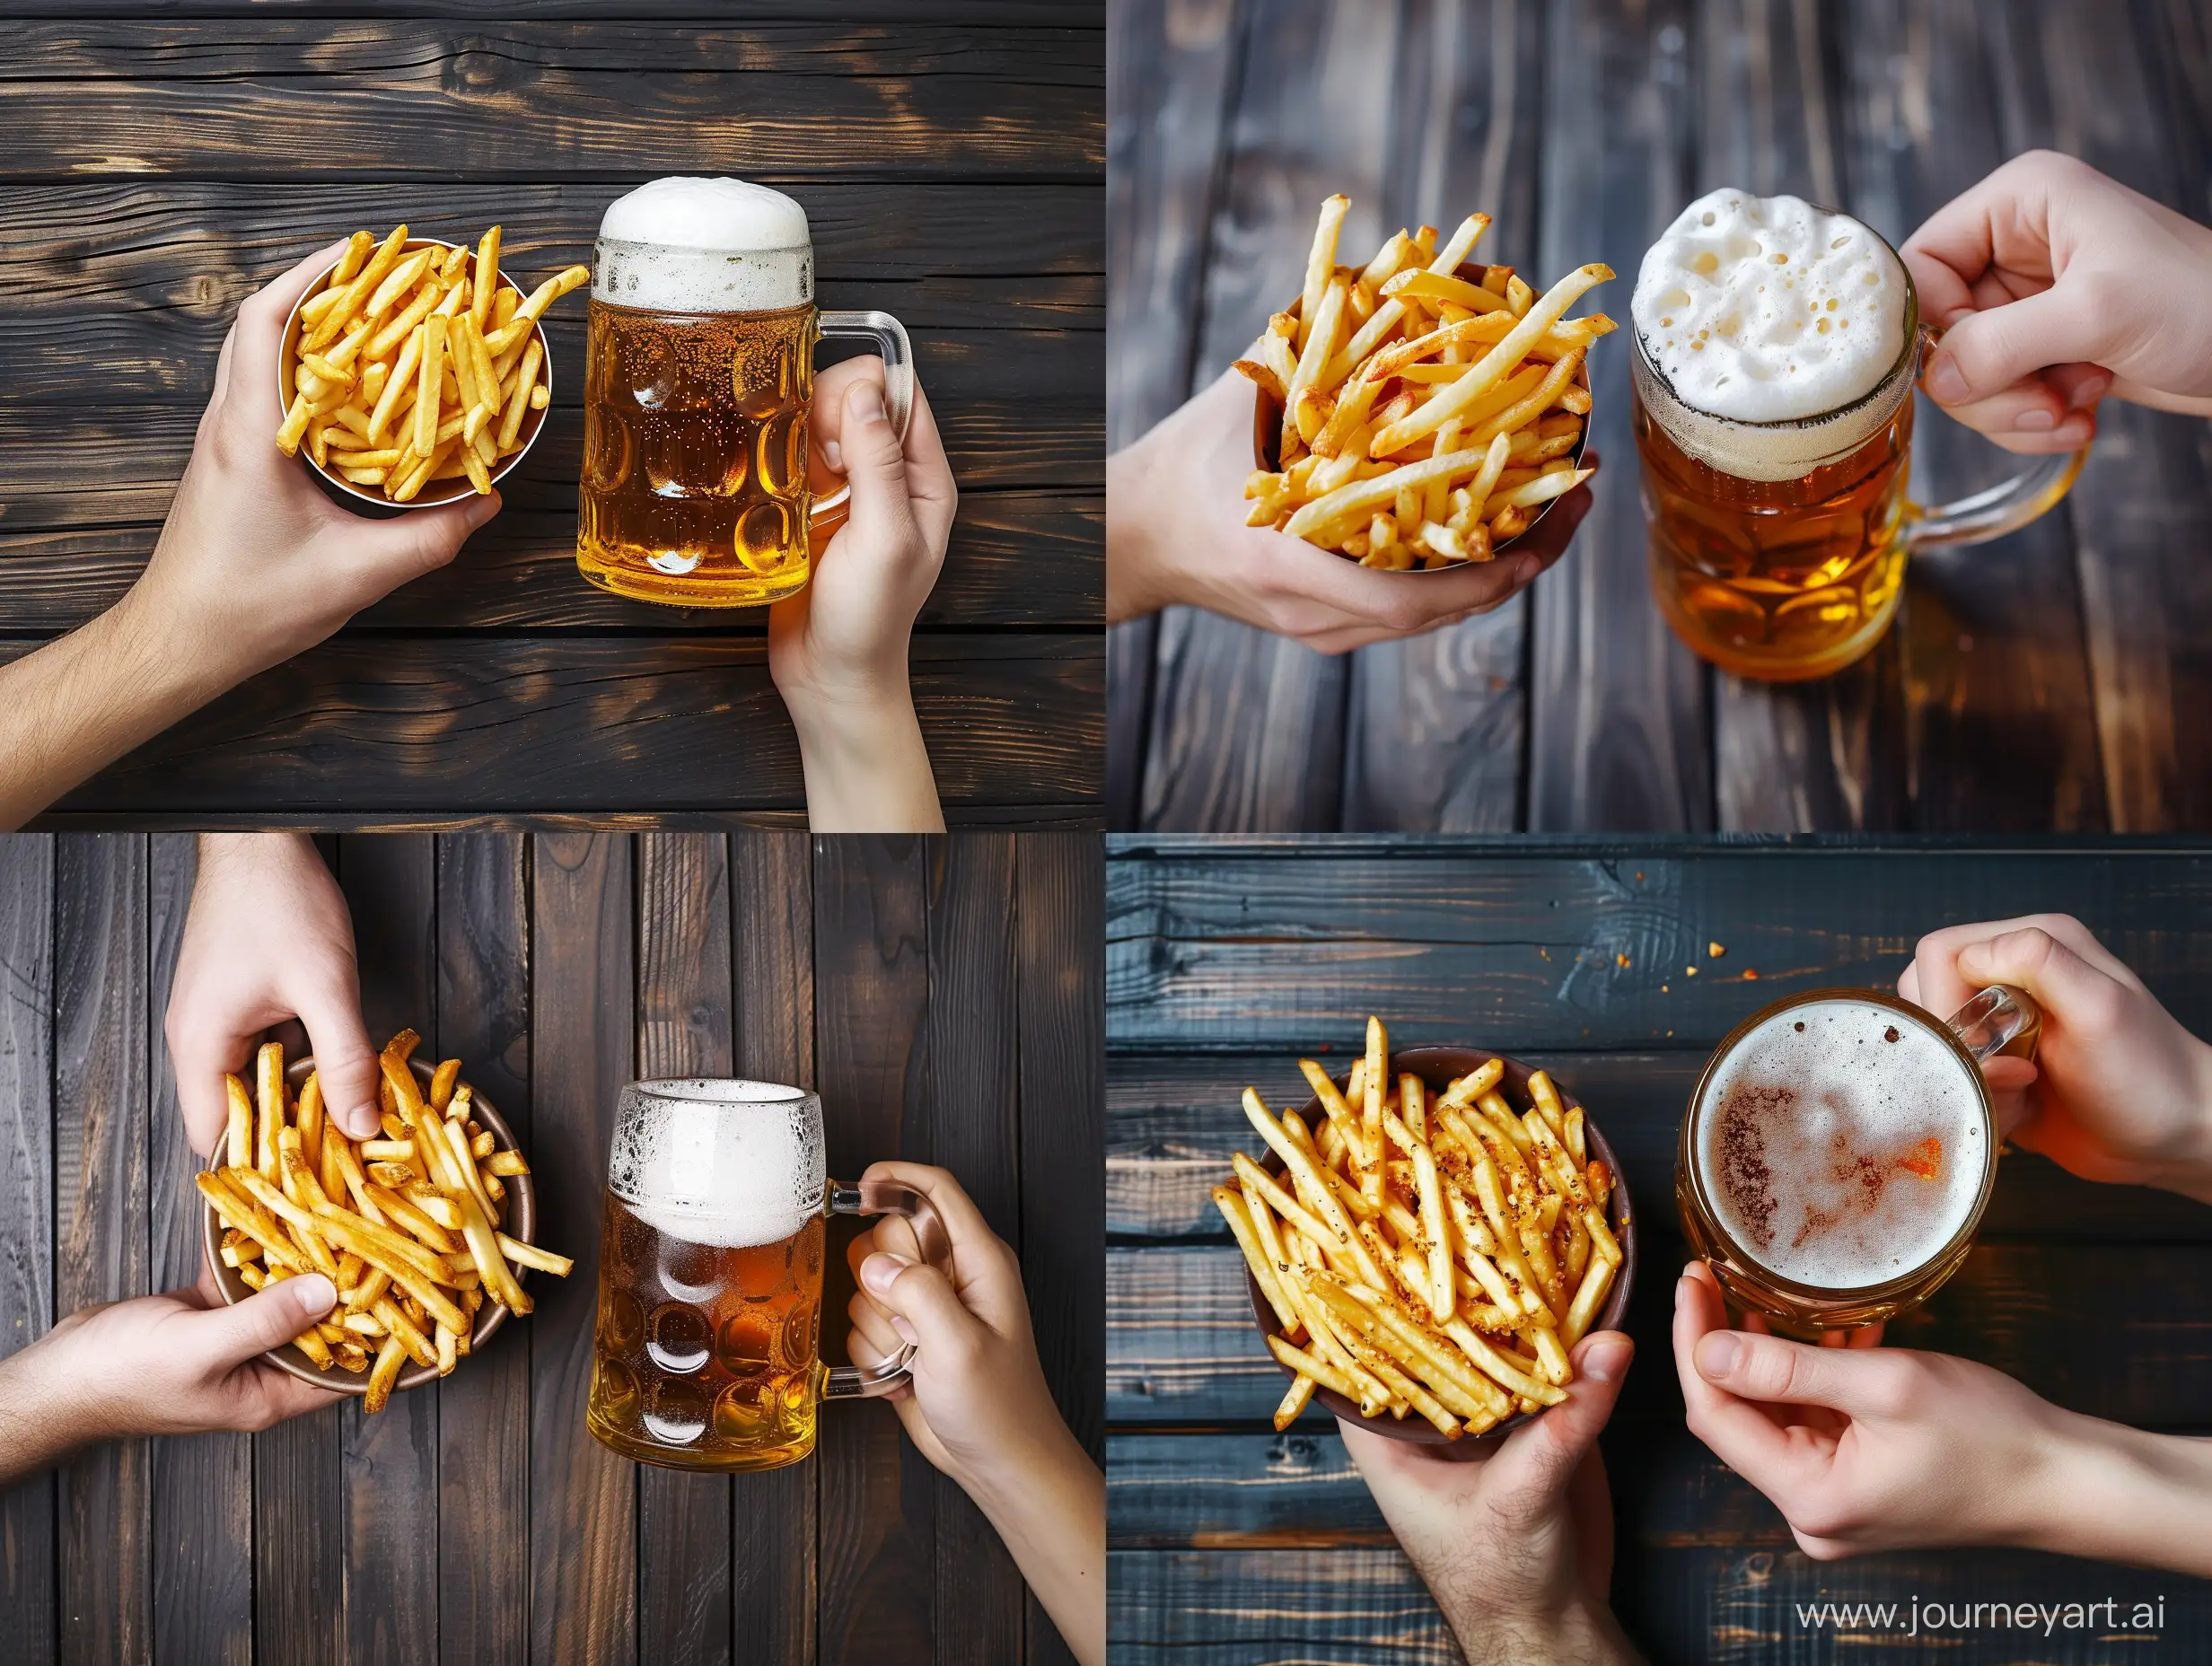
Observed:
{"x":1542,"y":1458}
{"x":2029,"y":958}
{"x":876,"y":463}
{"x":925,"y":1308}
{"x":423,"y":540}
{"x":345,"y":1062}
{"x":1768,"y":1369}
{"x":268,"y":1318}
{"x":1984,"y":353}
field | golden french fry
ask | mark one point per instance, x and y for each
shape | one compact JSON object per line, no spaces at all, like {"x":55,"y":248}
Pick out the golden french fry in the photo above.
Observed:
{"x":429,"y":376}
{"x":509,"y":1163}
{"x":390,"y":1357}
{"x":1237,"y":1213}
{"x":531,"y":1256}
{"x":240,"y":1149}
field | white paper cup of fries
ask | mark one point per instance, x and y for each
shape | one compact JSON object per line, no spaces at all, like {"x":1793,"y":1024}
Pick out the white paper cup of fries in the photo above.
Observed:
{"x":1420,"y":411}
{"x":1458,"y":1383}
{"x":350,"y":394}
{"x":412,"y":1304}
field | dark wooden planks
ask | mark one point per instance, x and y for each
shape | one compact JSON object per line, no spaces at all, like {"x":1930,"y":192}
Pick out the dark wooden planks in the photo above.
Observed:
{"x":1243,"y":947}
{"x":1618,"y":709}
{"x":1243,"y":1608}
{"x":102,"y":1094}
{"x":399,"y":99}
{"x":1059,"y":882}
{"x":26,"y":1539}
{"x":1009,"y":720}
{"x":878,"y":1532}
{"x":391,"y":1460}
{"x":202,"y":1484}
{"x":1790,"y":756}
{"x":683,"y":1029}
{"x":484,"y":1500}
{"x":583,"y":1497}
{"x":773,"y":1573}
{"x":1246,"y":728}
{"x":1437,"y":724}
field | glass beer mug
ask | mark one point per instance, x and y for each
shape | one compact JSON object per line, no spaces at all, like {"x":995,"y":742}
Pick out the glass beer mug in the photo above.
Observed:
{"x":1840,"y":1149}
{"x":706,"y":1353}
{"x":1778,"y":549}
{"x":698,"y":383}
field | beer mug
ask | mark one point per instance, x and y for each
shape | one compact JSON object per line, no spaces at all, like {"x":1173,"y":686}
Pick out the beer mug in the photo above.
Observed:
{"x":706,"y":1353}
{"x":698,"y":383}
{"x":1778,"y":548}
{"x":1840,"y":1149}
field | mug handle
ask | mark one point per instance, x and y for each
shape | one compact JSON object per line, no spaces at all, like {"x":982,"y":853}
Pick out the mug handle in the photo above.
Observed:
{"x":2000,"y":1020}
{"x":856,"y":1382}
{"x":2003,"y":508}
{"x":890,"y":337}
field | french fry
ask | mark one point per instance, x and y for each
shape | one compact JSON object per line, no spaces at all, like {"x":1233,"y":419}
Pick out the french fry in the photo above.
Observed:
{"x":268,"y":1077}
{"x":1238,"y":1214}
{"x":390,"y":1357}
{"x":240,"y":1149}
{"x":531,"y":1256}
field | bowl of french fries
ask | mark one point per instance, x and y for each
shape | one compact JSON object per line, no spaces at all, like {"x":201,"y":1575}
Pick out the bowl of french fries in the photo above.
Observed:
{"x":1422,"y":410}
{"x":351,"y":377}
{"x":425,"y":1230}
{"x":1427,"y":1238}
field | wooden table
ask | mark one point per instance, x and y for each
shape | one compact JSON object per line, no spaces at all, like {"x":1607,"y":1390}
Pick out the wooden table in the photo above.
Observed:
{"x":1226,"y":959}
{"x":928,"y":988}
{"x":2046,"y":682}
{"x":160,"y":162}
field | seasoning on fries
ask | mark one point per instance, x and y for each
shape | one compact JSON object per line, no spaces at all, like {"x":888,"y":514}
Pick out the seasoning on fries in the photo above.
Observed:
{"x":413,"y":368}
{"x":414,"y":1253}
{"x":1425,"y":415}
{"x":1426,"y":1252}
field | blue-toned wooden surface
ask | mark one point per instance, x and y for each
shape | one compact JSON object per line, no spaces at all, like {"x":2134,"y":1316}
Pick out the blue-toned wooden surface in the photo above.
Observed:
{"x":1225,"y":960}
{"x":2048,"y":681}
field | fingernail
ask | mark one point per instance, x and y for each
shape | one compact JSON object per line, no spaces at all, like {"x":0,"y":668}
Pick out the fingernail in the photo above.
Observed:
{"x":868,"y":401}
{"x":2035,"y":421}
{"x":833,"y":454}
{"x":1945,"y":384}
{"x":1529,"y":568}
{"x":1604,"y":1360}
{"x":1717,"y":1354}
{"x":907,"y":1331}
{"x":880,"y":1269}
{"x":316,"y":1294}
{"x":2089,"y":392}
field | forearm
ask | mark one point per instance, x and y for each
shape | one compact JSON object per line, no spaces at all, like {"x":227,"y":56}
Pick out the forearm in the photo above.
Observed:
{"x":1584,"y":1634}
{"x":868,"y":767}
{"x":80,"y":703}
{"x":40,"y":1420}
{"x":1049,"y":1508}
{"x":1133,"y":582}
{"x":2122,"y":1495}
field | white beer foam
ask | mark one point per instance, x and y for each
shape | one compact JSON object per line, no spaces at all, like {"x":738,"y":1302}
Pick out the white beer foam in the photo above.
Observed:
{"x":1767,"y":310}
{"x":693,"y":245}
{"x":729,"y":1163}
{"x":1790,"y":1109}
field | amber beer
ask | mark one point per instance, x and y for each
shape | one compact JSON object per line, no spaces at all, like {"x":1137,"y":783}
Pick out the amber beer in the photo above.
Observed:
{"x":698,"y":386}
{"x":1777,"y":344}
{"x":1839,"y":1151}
{"x":707,"y":1348}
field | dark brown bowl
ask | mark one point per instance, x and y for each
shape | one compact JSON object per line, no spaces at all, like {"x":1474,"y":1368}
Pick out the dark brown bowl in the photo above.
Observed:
{"x":1439,"y":1068}
{"x":520,"y":1225}
{"x":1268,"y":428}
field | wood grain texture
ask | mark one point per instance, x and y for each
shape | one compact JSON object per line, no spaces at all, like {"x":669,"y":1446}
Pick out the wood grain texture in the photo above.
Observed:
{"x":484,"y":1501}
{"x":27,"y":1542}
{"x":399,"y":100}
{"x":362,"y":725}
{"x":1243,"y":1608}
{"x":104,"y":1561}
{"x":774,"y":1583}
{"x":391,"y":1460}
{"x":683,"y":1029}
{"x":583,"y":1497}
{"x":202,"y":1484}
{"x":878,"y":1498}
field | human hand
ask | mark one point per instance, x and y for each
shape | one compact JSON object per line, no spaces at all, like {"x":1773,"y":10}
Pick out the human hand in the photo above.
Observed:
{"x":167,"y":1364}
{"x":254,"y":563}
{"x":267,"y":938}
{"x":1516,"y":1545}
{"x":2118,"y":1090}
{"x":2056,"y":286}
{"x":1175,"y":511}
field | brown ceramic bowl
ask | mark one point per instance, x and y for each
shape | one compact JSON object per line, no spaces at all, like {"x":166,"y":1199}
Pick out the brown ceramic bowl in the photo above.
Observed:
{"x":433,"y":492}
{"x":1268,"y":427}
{"x":520,"y":1225}
{"x":1439,"y":1068}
